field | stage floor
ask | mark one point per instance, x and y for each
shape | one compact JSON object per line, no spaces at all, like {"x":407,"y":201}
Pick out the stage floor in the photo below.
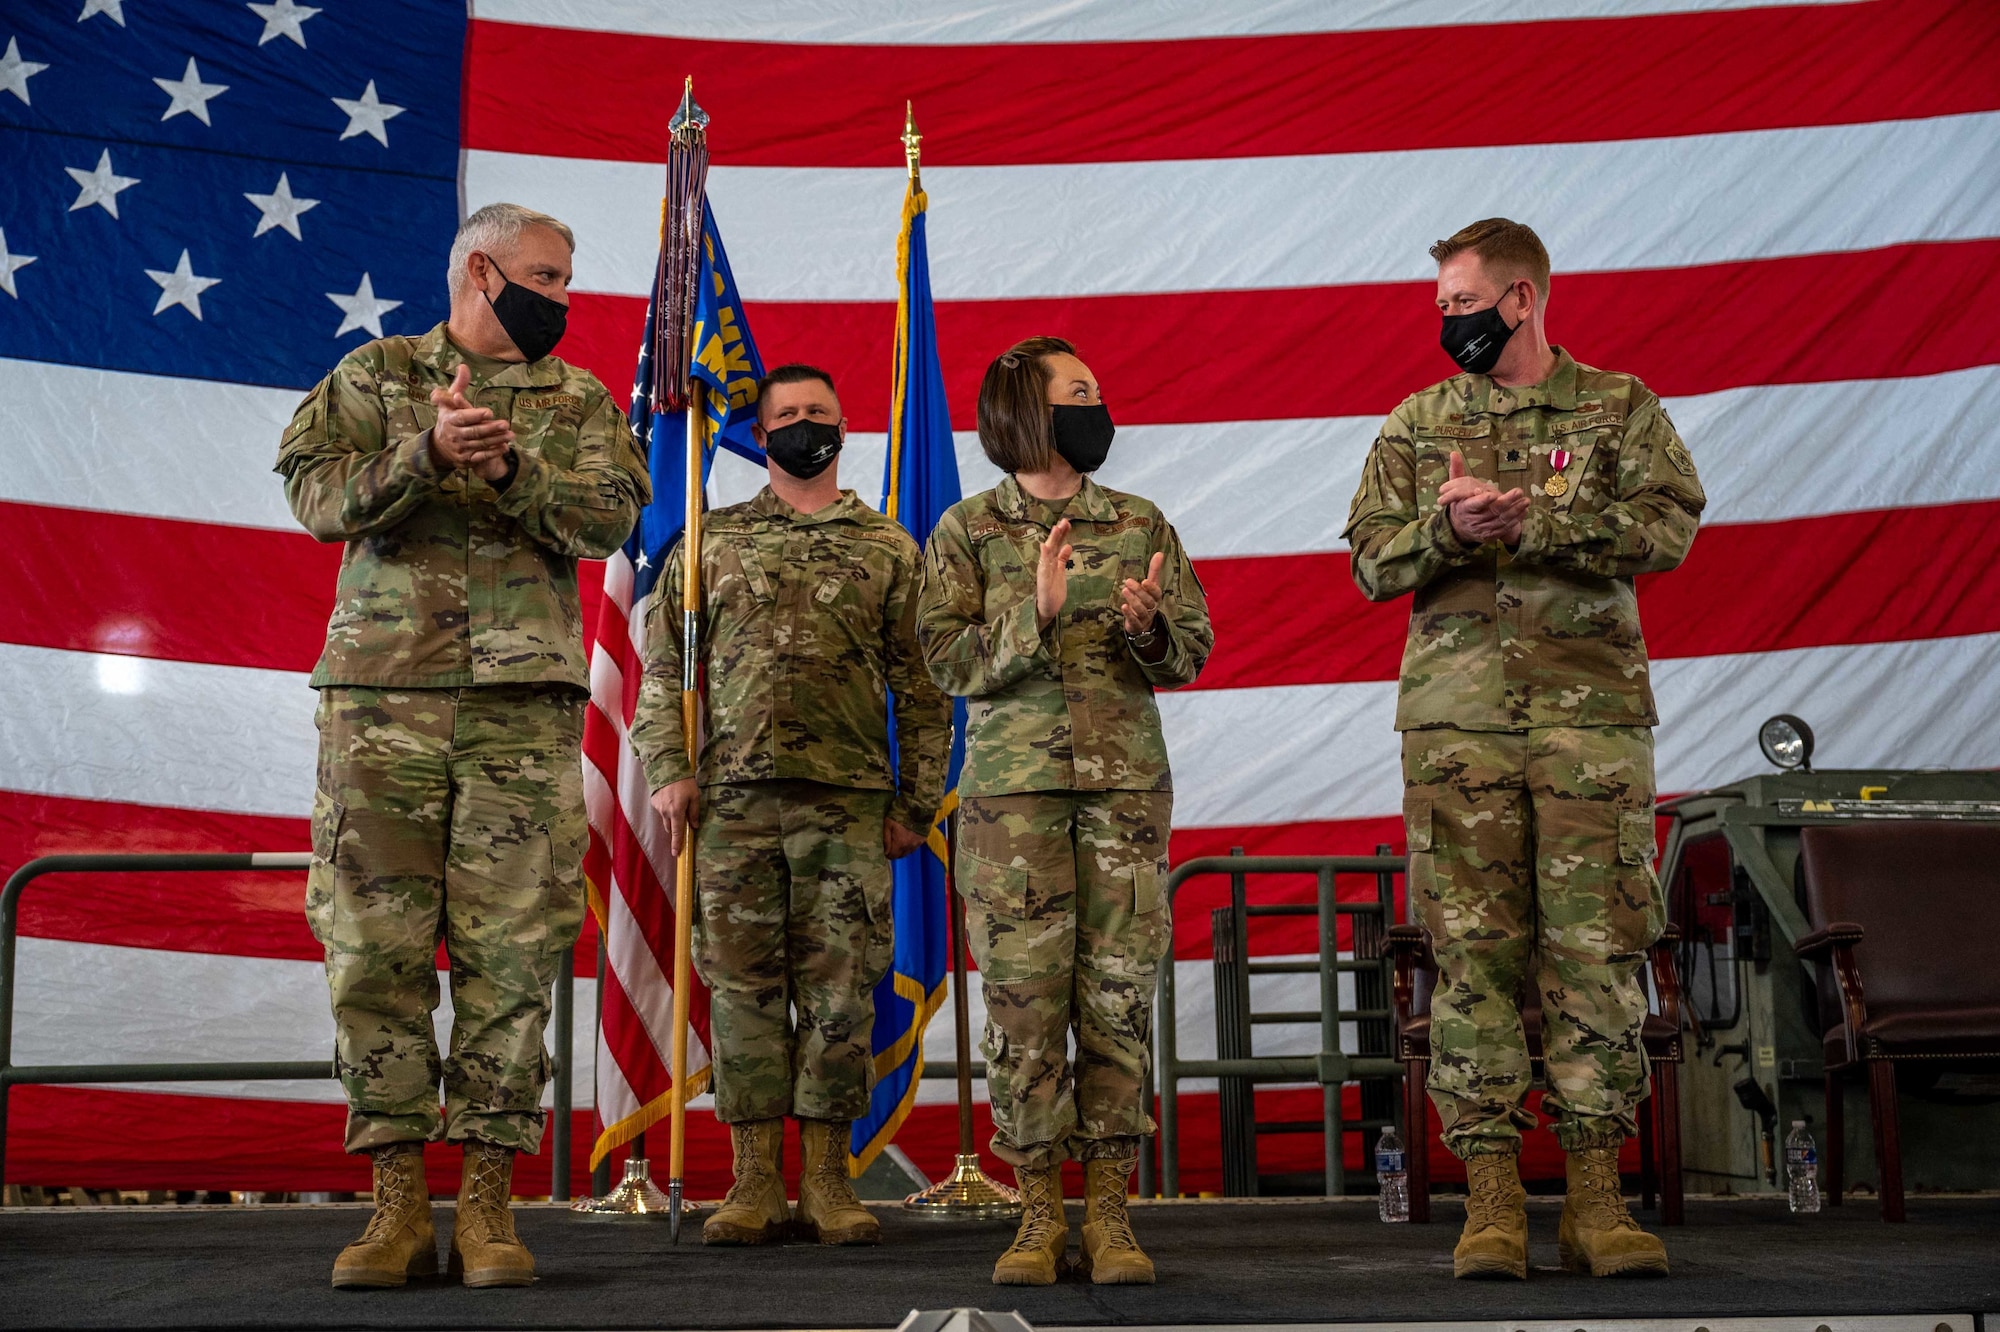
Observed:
{"x":1239,"y":1263}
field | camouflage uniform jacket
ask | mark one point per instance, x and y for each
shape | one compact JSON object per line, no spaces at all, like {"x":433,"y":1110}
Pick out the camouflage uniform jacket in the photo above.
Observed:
{"x":809,"y":619}
{"x":445,"y":581}
{"x":1070,"y":708}
{"x":1546,"y":634}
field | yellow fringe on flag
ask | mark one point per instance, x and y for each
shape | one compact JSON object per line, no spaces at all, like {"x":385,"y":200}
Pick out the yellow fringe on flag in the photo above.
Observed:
{"x":914,"y":201}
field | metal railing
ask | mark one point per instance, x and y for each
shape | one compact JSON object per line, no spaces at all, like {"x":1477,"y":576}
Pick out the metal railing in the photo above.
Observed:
{"x":1330,"y":1068}
{"x":13,"y":1075}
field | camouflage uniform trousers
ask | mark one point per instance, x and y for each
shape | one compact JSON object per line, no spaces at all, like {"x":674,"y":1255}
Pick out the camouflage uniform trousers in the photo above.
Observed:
{"x":792,"y":933}
{"x":1066,"y":913}
{"x":1531,"y":865}
{"x":451,"y":815}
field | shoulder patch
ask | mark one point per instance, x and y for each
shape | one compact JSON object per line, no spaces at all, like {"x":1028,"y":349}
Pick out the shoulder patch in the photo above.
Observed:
{"x":1677,"y":454}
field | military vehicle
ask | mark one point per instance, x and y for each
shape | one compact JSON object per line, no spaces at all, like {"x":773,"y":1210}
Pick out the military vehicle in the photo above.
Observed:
{"x":1734,"y":887}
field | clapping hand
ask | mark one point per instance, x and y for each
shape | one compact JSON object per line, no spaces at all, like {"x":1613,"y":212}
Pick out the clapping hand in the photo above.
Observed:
{"x":1052,"y":575}
{"x":1479,"y":512}
{"x":1142,"y":599}
{"x":468,"y":436}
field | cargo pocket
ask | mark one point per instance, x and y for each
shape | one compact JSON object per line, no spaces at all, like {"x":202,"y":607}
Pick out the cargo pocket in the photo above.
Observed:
{"x":1418,"y":818}
{"x":1637,"y":913}
{"x":996,"y":917}
{"x":1149,"y":890}
{"x":327,"y":814}
{"x":879,"y":913}
{"x":563,"y":910}
{"x":1637,"y":844}
{"x":1152,"y":922}
{"x":1417,"y":822}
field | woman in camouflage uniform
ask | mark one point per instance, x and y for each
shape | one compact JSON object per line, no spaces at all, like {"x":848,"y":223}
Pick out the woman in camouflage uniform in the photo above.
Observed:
{"x":1056,"y":608}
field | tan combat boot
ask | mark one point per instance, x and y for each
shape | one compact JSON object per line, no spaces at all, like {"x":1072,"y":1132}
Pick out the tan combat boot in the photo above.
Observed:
{"x":1495,"y":1240}
{"x":484,"y":1246}
{"x":1598,"y":1235}
{"x":755,"y":1209}
{"x":1110,"y":1254}
{"x":400,"y":1241}
{"x":1037,"y":1255}
{"x":828,"y":1208}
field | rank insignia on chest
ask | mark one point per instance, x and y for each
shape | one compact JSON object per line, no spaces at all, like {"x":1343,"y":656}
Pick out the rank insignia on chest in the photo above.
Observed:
{"x":1558,"y":485}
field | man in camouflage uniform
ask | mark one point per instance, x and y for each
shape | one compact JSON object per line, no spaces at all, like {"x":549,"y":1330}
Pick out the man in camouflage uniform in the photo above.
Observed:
{"x":450,"y":794}
{"x":1526,"y":713}
{"x":810,"y":605}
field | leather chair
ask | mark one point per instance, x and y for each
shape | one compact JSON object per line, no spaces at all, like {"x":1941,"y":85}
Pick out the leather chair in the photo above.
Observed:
{"x":1659,"y":1114}
{"x":1903,"y":917}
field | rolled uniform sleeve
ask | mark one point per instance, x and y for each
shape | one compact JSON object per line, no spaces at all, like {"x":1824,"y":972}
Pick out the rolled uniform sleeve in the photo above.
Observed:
{"x":967,"y":656}
{"x":341,"y":481}
{"x":1651,"y":524}
{"x":585,"y":511}
{"x":1183,"y":619}
{"x":923,"y":714}
{"x":656,"y":719}
{"x":1395,"y":547}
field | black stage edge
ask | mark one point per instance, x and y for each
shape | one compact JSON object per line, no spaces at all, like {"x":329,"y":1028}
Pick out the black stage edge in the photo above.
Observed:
{"x":1220,"y":1263}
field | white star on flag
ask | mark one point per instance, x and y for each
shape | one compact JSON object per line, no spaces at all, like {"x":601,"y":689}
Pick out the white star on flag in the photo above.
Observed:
{"x":15,"y":72}
{"x":190,"y":94}
{"x":181,"y":287}
{"x":114,"y":8}
{"x":283,"y":19}
{"x":280,"y":208}
{"x":368,"y":115}
{"x":642,"y":562}
{"x":361,"y":310}
{"x":100,"y":187}
{"x":8,"y":264}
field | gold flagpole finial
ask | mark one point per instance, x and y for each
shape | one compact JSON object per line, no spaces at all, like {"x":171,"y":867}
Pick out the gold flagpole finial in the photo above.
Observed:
{"x":912,"y":144}
{"x":689,"y":114}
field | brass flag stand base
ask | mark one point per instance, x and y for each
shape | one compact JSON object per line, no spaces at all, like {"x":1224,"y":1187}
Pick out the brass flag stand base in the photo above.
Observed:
{"x":636,"y":1198}
{"x":967,"y":1195}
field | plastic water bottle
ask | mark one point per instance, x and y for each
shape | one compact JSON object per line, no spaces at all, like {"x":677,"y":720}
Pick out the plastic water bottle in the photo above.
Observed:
{"x":1392,"y":1178}
{"x":1802,"y":1168}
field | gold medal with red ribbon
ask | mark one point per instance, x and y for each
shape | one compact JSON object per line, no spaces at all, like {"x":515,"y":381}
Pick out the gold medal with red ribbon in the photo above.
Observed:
{"x":1558,"y":484}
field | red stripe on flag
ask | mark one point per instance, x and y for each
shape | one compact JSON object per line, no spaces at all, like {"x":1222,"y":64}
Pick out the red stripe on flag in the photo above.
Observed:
{"x":176,"y":590}
{"x":1745,"y":587}
{"x":1281,"y":353}
{"x":262,"y":914}
{"x":1805,"y":582}
{"x":165,"y":588}
{"x":643,"y":1064}
{"x":242,"y":913}
{"x":575,"y":93}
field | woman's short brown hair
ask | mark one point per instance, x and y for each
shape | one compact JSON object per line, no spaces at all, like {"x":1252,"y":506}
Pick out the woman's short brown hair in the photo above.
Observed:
{"x":1014,"y":405}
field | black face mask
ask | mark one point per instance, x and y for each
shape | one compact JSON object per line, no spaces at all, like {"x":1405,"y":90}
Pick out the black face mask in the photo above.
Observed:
{"x":532,"y":320}
{"x":1082,"y":435}
{"x":1476,"y":340}
{"x":803,"y":448}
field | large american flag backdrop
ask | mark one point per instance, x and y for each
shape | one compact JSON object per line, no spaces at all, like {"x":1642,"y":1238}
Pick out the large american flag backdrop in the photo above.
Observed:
{"x":1786,"y":220}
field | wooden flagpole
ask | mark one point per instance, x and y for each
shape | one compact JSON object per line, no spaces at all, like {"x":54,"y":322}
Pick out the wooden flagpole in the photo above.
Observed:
{"x":690,"y":124}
